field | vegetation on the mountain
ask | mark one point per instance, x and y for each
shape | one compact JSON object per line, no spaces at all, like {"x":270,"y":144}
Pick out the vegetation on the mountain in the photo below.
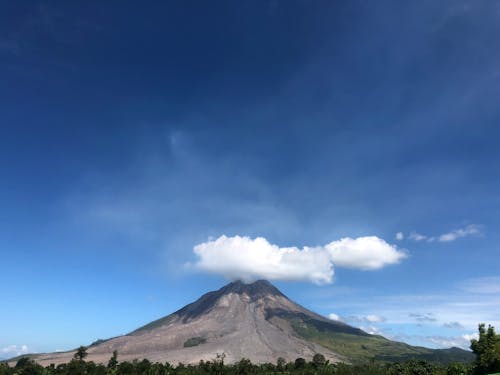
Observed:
{"x":361,"y":348}
{"x":194,"y":341}
{"x":81,"y":353}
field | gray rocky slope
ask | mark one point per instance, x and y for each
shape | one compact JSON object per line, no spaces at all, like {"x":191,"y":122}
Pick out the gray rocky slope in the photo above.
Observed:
{"x":240,"y":320}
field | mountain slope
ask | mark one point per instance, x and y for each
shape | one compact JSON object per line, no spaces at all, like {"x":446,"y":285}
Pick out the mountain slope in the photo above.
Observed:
{"x":254,"y":321}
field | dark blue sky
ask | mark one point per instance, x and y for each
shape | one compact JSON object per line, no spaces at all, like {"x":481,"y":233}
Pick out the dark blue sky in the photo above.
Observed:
{"x":129,"y":133}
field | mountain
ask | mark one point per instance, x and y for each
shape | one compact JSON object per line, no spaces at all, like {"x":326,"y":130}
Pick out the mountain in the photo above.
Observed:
{"x":254,"y":321}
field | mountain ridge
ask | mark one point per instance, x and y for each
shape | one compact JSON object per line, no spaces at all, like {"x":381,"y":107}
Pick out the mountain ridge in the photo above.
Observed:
{"x":255,"y":321}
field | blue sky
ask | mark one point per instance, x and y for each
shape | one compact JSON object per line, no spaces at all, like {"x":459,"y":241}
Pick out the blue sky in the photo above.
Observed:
{"x":131,"y":133}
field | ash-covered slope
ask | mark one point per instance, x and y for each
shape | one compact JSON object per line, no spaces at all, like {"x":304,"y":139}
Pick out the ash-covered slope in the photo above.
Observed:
{"x":254,"y":321}
{"x":269,"y":299}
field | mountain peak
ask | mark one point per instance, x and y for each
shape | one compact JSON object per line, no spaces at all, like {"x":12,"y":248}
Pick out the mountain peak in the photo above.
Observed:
{"x":255,"y":290}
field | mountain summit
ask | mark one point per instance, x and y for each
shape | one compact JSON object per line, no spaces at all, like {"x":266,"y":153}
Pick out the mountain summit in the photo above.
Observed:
{"x":254,"y":321}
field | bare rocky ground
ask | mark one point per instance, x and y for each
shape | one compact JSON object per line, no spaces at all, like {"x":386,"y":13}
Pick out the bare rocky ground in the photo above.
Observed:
{"x":235,"y":321}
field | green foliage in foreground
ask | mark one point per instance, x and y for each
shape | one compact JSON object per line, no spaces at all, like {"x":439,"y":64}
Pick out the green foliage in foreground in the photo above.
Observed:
{"x":487,"y":351}
{"x":486,"y":348}
{"x":318,"y":366}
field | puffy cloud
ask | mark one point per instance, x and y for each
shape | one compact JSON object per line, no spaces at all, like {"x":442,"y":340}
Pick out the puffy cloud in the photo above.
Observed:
{"x":365,"y":253}
{"x":333,"y":316}
{"x":458,"y":233}
{"x":250,"y":259}
{"x":400,"y":236}
{"x":13,"y":350}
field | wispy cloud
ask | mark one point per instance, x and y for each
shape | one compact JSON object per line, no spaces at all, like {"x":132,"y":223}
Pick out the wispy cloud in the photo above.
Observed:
{"x":453,"y":325}
{"x":417,"y":236}
{"x":249,"y":259}
{"x":482,"y":285}
{"x":440,"y":319}
{"x":371,"y":318}
{"x":426,"y":317}
{"x":459,"y":233}
{"x":357,"y":319}
{"x":450,"y":236}
{"x":13,"y":350}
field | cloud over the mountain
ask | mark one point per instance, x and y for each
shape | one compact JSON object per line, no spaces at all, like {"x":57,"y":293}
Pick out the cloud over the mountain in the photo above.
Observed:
{"x":249,"y":259}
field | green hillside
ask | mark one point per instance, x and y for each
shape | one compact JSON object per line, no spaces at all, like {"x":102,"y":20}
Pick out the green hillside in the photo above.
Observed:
{"x":362,"y":348}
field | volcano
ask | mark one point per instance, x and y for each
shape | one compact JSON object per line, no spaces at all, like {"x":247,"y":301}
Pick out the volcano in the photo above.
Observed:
{"x":254,"y":321}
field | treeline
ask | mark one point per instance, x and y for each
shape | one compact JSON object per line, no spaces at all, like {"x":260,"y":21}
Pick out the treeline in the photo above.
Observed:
{"x":318,"y":366}
{"x":486,"y":348}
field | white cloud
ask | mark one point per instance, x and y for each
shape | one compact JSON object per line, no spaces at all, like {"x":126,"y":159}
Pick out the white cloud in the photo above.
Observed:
{"x":471,"y":229}
{"x":417,"y":236}
{"x":250,"y":259}
{"x":333,"y":316}
{"x":13,"y":350}
{"x":458,"y":233}
{"x":365,"y":253}
{"x":372,"y":330}
{"x":471,"y":336}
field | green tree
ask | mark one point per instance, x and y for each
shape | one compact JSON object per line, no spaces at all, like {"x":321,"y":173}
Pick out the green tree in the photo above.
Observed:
{"x":81,"y":353}
{"x":26,"y":366}
{"x":4,"y":368}
{"x":280,"y":363}
{"x":300,"y":363}
{"x":244,"y":366}
{"x":457,"y":369}
{"x":487,"y":351}
{"x":113,"y":361}
{"x":318,"y":360}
